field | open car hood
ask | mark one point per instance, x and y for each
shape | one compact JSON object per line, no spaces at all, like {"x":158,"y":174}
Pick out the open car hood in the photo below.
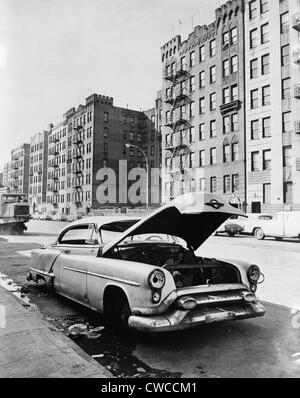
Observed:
{"x":192,"y":217}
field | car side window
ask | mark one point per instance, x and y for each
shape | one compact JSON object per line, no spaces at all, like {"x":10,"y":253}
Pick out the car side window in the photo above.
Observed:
{"x":78,"y":235}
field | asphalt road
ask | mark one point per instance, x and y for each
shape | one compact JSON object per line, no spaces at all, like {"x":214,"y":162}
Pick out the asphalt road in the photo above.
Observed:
{"x":263,"y":347}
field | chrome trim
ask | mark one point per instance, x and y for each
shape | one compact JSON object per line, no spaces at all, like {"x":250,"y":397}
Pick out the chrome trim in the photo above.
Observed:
{"x":131,"y":283}
{"x":41,"y":272}
{"x":76,"y":270}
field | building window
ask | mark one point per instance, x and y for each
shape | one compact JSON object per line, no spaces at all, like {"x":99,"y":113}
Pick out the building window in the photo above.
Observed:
{"x":213,"y":102}
{"x":284,"y":23}
{"x":226,"y":68}
{"x":212,"y":48}
{"x":288,"y":192}
{"x":267,"y":194}
{"x":202,"y":185}
{"x":213,"y":129}
{"x":234,"y":93}
{"x":106,"y":117}
{"x":202,"y":106}
{"x":235,"y":122}
{"x":213,"y":184}
{"x":225,"y":39}
{"x":235,"y":183}
{"x":233,"y":35}
{"x":202,"y":54}
{"x":192,"y":59}
{"x":226,"y":124}
{"x":287,"y":156}
{"x":265,"y":33}
{"x":286,"y":122}
{"x":226,"y":95}
{"x":286,"y":88}
{"x":234,"y":64}
{"x":266,"y":126}
{"x":213,"y":156}
{"x":226,"y":152}
{"x":266,"y":95}
{"x":213,"y":76}
{"x":267,"y":159}
{"x":254,"y":68}
{"x":253,"y":12}
{"x":264,"y":6}
{"x":265,"y":64}
{"x":235,"y":151}
{"x":253,"y":38}
{"x":192,"y":109}
{"x":202,"y":158}
{"x":255,"y":161}
{"x":192,"y":84}
{"x":285,"y":55}
{"x":201,"y":132}
{"x":192,"y":135}
{"x":202,"y":79}
{"x":227,"y":183}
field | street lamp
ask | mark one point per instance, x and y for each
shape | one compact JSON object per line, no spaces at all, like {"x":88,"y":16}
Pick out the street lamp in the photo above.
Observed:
{"x":128,"y":145}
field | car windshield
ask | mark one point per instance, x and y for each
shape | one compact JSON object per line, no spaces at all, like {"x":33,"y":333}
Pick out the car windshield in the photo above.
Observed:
{"x":111,"y":231}
{"x":163,"y":238}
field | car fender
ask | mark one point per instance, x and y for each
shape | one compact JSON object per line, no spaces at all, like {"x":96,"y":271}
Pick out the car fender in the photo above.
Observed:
{"x":42,"y":262}
{"x":129,"y":276}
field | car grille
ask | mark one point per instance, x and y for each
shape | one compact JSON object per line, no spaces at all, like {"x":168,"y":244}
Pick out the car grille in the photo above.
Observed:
{"x":21,"y":211}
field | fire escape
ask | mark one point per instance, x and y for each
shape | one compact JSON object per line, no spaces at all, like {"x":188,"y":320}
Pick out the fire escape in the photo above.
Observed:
{"x":179,"y":122}
{"x":78,"y":165}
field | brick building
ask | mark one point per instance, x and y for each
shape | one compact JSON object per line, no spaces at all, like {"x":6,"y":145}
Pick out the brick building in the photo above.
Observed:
{"x":38,"y":171}
{"x":273,"y":104}
{"x":91,"y":137}
{"x":18,"y":170}
{"x":203,"y":108}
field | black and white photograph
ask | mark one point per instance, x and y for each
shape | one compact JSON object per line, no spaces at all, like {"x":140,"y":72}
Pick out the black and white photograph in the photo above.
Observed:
{"x":149,"y":192}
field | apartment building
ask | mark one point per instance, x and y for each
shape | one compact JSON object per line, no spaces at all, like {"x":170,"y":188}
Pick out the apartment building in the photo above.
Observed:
{"x":272,"y":42}
{"x":18,"y":173}
{"x":38,"y":168}
{"x":1,"y":179}
{"x":91,"y":137}
{"x":203,"y":108}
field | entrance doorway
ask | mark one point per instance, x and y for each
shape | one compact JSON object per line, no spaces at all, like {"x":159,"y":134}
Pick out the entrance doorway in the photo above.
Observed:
{"x":256,"y":207}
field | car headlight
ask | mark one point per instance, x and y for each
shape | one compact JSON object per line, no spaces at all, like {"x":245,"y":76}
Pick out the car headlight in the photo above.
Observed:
{"x":156,"y":279}
{"x":254,"y":274}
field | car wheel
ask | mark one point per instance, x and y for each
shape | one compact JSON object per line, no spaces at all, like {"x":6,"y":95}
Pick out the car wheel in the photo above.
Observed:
{"x":231,"y":234}
{"x":278,"y":238}
{"x":259,"y":234}
{"x":117,"y":311}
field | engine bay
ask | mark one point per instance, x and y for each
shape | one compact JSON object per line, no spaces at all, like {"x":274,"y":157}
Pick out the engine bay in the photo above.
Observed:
{"x":186,"y":268}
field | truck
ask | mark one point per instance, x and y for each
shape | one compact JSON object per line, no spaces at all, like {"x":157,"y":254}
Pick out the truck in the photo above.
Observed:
{"x":282,"y":225}
{"x":14,"y":212}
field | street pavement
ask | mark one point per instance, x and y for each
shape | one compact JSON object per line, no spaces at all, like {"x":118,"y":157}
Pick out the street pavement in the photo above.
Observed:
{"x":263,"y":347}
{"x":31,"y":347}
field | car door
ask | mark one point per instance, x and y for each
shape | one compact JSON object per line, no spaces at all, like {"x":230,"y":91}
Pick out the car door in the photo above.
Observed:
{"x":291,"y":225}
{"x":81,"y":239}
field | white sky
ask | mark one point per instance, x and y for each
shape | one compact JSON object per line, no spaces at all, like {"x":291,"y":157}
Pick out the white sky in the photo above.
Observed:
{"x":54,"y":53}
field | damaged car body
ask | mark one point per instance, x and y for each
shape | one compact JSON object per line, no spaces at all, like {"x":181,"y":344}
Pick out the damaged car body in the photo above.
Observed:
{"x":149,"y":277}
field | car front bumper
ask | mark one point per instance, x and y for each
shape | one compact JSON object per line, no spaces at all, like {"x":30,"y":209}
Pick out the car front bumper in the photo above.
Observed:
{"x":185,"y":319}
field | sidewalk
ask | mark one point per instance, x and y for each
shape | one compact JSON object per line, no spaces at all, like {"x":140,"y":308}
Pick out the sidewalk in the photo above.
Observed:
{"x":32,"y":347}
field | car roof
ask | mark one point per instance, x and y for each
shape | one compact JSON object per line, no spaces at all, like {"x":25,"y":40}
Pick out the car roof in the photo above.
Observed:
{"x":102,"y":220}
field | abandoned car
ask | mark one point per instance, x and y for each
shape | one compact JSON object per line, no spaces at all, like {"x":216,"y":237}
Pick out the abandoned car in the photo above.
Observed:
{"x":148,"y":277}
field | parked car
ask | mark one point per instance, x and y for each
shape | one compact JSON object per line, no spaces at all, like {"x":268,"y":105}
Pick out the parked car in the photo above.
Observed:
{"x":148,"y":277}
{"x":48,"y":217}
{"x":282,"y":225}
{"x":231,"y":227}
{"x":251,"y":223}
{"x":59,"y":217}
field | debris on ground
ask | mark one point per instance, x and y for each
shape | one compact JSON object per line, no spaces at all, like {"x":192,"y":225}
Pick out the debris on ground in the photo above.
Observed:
{"x":77,"y":329}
